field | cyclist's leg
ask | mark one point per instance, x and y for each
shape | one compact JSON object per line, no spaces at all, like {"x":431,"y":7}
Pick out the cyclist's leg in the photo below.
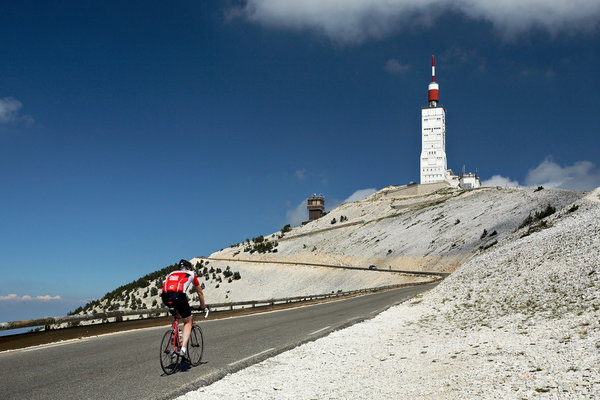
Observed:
{"x":187,"y":328}
{"x":186,"y":317}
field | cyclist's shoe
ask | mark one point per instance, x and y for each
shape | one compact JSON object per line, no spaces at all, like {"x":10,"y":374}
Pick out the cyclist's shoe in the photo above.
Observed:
{"x":185,"y":357}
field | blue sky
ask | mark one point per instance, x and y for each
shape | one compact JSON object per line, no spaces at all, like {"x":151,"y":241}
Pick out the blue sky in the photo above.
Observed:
{"x":135,"y":134}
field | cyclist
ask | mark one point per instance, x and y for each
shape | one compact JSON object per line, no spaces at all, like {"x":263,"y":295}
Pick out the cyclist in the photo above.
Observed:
{"x":174,"y":296}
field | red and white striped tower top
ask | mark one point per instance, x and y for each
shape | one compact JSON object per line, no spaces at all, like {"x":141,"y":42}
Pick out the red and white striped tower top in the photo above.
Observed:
{"x":434,"y":88}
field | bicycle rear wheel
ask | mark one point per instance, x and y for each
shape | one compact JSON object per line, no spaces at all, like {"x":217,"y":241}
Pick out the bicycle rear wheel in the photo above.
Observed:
{"x":169,"y":359}
{"x":196,"y":345}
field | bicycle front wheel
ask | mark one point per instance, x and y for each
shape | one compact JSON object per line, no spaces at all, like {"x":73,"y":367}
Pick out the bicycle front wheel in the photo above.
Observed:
{"x":169,"y":359}
{"x":196,"y":345}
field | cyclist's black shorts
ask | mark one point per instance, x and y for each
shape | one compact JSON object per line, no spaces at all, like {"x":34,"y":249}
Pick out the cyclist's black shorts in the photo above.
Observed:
{"x":178,"y":301}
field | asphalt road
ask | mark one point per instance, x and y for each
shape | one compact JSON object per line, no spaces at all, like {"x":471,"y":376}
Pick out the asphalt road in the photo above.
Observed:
{"x":125,"y":365}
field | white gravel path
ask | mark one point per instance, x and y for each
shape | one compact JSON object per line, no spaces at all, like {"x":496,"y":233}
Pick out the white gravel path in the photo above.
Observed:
{"x":519,"y":321}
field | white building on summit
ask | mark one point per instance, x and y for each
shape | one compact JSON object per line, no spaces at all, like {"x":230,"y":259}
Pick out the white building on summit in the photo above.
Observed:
{"x":434,"y":163}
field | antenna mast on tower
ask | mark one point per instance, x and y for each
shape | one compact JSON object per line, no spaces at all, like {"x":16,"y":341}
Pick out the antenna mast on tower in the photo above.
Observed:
{"x":434,"y":88}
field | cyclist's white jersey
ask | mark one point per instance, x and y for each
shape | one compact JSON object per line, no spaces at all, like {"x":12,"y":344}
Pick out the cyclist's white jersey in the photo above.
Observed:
{"x":179,"y":281}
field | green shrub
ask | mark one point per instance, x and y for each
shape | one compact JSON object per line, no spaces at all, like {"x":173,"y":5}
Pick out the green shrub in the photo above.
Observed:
{"x":549,"y":210}
{"x":526,"y":221}
{"x":539,"y":215}
{"x":487,"y":246}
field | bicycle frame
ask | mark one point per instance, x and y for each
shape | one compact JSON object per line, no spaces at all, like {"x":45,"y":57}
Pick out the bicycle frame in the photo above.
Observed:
{"x":176,"y":338}
{"x":177,"y":335}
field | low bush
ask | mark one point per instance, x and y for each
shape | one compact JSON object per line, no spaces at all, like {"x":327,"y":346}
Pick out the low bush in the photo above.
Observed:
{"x":538,"y":216}
{"x":487,"y":246}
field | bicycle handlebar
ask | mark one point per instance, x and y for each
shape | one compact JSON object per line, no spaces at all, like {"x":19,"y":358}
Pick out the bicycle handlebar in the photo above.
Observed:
{"x":206,"y":310}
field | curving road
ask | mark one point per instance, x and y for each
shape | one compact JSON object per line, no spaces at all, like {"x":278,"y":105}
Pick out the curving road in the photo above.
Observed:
{"x":125,"y":365}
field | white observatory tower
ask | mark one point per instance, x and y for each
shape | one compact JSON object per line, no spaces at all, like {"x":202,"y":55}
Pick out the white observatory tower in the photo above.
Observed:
{"x":434,"y":165}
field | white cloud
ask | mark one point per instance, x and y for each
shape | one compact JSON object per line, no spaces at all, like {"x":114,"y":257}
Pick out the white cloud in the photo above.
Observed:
{"x":10,"y":111}
{"x":47,"y":298}
{"x":354,"y":21}
{"x":499,"y":180}
{"x":360,"y":195}
{"x":14,"y":297}
{"x":511,"y":17}
{"x":582,"y":175}
{"x":301,"y":174}
{"x":394,"y":67}
{"x":297,"y":215}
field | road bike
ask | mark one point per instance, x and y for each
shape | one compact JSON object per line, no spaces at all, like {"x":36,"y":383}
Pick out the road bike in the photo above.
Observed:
{"x":170,"y":345}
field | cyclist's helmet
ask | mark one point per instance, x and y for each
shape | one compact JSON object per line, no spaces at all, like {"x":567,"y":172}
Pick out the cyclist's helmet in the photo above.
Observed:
{"x":185,"y":264}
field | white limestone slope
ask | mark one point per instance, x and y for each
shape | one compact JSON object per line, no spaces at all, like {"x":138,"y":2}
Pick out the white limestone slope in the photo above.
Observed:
{"x":394,"y":228}
{"x":423,"y":227}
{"x":519,"y":320}
{"x":268,"y":281}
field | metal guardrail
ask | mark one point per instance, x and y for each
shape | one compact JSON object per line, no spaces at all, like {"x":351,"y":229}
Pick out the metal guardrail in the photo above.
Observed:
{"x":158,"y":312}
